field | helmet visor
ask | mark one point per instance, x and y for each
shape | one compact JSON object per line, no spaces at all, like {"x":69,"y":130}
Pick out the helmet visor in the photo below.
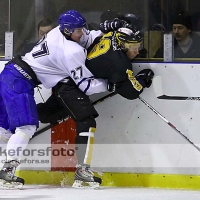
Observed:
{"x":78,"y":30}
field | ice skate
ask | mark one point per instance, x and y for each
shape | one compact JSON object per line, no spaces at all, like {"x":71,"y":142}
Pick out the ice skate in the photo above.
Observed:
{"x":84,"y":178}
{"x":7,"y":176}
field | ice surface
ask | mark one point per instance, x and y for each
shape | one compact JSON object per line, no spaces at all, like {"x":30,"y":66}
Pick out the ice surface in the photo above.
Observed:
{"x":46,"y":192}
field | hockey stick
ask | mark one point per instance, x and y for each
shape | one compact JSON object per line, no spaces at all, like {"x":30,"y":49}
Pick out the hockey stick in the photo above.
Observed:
{"x":169,"y":123}
{"x":157,"y":85}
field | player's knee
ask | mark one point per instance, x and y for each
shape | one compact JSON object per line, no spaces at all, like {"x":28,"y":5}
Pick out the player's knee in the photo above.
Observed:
{"x":26,"y":132}
{"x":86,"y":125}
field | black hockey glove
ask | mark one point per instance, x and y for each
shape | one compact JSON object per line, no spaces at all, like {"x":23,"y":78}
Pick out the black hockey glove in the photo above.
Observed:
{"x":113,"y":25}
{"x":145,"y":77}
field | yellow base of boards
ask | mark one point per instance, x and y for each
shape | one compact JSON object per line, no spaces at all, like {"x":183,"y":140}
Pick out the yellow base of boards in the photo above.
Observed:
{"x":172,"y":181}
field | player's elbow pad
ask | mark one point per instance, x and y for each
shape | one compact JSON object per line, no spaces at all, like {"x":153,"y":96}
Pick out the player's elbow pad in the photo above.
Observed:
{"x":96,"y":86}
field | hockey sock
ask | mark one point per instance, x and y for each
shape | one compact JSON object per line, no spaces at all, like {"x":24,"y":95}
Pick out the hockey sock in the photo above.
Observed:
{"x":84,"y":146}
{"x":19,"y":141}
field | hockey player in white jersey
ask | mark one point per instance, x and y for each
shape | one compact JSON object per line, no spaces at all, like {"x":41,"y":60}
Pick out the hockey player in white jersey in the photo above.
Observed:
{"x":57,"y":58}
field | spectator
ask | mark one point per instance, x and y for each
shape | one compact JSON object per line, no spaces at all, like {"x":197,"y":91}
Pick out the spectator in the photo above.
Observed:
{"x":186,"y":43}
{"x":43,"y":28}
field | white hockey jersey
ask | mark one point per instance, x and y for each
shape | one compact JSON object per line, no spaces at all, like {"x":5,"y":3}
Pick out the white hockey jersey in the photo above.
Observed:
{"x":55,"y":58}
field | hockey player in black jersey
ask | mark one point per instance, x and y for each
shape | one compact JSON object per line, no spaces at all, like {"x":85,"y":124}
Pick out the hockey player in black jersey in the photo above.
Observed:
{"x":109,"y":58}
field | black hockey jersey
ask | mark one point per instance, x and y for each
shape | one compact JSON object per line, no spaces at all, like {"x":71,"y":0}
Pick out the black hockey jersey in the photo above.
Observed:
{"x":107,"y":60}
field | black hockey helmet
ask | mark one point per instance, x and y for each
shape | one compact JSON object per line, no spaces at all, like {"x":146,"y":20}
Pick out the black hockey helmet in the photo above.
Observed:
{"x":134,"y":20}
{"x":127,"y":37}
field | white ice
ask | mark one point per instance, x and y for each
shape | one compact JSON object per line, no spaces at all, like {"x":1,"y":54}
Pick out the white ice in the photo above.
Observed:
{"x":46,"y":192}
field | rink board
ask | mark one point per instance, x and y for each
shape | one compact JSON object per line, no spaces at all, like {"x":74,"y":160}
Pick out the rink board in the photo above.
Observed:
{"x":133,"y":141}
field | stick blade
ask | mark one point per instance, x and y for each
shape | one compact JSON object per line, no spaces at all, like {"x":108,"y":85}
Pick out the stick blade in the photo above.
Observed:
{"x":157,"y":85}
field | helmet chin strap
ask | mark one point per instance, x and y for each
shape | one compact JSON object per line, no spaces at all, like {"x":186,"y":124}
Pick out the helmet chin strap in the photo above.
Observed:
{"x":125,"y":50}
{"x":67,"y":32}
{"x":67,"y":35}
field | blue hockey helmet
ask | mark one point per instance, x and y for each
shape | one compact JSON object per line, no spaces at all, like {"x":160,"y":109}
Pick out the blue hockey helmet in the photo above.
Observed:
{"x":70,"y":20}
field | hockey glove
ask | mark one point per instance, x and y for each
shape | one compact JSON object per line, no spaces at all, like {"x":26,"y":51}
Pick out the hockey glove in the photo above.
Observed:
{"x":113,"y":25}
{"x":145,"y":77}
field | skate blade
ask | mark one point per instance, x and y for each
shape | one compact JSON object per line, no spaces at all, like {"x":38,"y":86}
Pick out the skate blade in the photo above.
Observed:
{"x":80,"y":184}
{"x":10,"y":185}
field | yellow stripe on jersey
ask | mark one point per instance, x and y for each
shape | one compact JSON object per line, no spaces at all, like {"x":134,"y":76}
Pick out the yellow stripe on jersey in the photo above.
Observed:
{"x":133,"y":80}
